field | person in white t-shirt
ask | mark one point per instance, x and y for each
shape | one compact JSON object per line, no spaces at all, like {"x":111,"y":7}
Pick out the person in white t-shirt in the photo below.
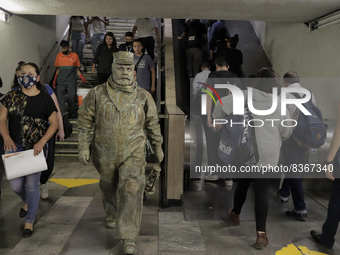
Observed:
{"x":145,"y":27}
{"x":201,"y":77}
{"x":98,"y":28}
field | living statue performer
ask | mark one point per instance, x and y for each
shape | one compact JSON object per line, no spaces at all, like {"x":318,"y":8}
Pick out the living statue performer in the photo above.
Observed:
{"x":119,"y":111}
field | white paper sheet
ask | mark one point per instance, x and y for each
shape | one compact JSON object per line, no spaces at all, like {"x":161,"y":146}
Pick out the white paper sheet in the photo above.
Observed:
{"x":23,"y":163}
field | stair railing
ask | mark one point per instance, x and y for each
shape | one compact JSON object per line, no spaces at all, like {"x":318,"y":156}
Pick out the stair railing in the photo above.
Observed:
{"x":49,"y":61}
{"x":159,"y":66}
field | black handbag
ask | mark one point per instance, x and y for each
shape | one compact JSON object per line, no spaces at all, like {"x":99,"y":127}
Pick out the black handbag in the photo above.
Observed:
{"x":68,"y":128}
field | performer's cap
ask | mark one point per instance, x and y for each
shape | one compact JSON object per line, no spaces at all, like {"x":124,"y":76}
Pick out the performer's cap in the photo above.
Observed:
{"x":123,"y":58}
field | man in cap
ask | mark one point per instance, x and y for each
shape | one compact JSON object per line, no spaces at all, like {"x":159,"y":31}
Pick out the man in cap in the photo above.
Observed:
{"x":120,"y":111}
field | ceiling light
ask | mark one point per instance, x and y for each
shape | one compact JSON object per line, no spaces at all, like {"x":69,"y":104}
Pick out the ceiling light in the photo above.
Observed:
{"x":324,"y":21}
{"x":4,"y":16}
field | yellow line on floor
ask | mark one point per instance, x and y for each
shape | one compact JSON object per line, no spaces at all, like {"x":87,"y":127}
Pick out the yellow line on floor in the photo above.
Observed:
{"x":291,"y":249}
{"x":70,"y":183}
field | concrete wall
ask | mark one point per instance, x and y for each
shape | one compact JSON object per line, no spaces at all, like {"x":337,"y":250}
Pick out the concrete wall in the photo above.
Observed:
{"x":61,"y":23}
{"x":260,"y":30}
{"x":316,"y":54}
{"x":28,"y":38}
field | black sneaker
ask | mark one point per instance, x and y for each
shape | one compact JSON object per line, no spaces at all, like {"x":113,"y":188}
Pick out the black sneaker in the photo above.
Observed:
{"x":297,"y":216}
{"x":281,"y":200}
{"x":315,"y":235}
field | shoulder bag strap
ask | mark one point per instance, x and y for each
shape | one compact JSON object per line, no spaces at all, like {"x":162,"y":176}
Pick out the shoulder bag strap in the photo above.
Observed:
{"x":298,"y":96}
{"x":254,"y":160}
{"x":139,"y":61}
{"x":22,"y":110}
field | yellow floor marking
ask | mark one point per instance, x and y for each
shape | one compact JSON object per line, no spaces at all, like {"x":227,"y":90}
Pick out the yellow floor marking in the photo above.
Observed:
{"x":291,"y":249}
{"x":308,"y":252}
{"x":70,"y":183}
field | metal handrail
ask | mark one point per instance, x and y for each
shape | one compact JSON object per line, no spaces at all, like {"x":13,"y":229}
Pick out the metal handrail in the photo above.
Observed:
{"x":159,"y":67}
{"x":52,"y":54}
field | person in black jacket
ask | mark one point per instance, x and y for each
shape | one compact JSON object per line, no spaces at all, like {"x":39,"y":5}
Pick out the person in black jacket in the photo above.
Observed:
{"x":218,"y":46}
{"x":234,"y":56}
{"x":103,"y":57}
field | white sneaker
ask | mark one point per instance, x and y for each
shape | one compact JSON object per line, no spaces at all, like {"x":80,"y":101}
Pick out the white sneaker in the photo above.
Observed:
{"x":44,"y":191}
{"x":211,"y":177}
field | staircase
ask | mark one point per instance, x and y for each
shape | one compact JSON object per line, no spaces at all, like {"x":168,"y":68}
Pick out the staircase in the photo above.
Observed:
{"x":118,"y":26}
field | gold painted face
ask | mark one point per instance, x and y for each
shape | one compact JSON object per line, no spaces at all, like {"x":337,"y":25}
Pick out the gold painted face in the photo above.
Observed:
{"x":123,"y":74}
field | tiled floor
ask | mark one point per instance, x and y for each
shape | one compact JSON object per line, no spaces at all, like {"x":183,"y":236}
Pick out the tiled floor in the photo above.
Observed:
{"x":71,"y":222}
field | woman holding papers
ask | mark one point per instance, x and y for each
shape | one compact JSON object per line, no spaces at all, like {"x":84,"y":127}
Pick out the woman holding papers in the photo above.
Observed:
{"x":51,"y":143}
{"x":27,"y":111}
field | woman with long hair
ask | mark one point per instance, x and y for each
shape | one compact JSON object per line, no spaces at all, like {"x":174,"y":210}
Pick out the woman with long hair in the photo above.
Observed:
{"x":104,"y":57}
{"x":51,"y":143}
{"x":27,"y":112}
{"x":268,"y":139}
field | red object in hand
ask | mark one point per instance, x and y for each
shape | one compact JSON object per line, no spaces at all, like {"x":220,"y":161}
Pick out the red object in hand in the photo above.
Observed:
{"x":82,"y":78}
{"x":54,"y":84}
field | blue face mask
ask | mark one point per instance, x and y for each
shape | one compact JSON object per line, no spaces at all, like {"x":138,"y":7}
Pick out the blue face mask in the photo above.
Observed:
{"x":27,"y":81}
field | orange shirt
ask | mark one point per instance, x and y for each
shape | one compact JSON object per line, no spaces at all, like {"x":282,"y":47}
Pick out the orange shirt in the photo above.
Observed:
{"x":67,"y":65}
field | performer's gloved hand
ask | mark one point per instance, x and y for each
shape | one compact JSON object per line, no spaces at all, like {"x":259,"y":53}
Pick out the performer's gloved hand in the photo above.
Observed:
{"x":84,"y":156}
{"x":159,"y":154}
{"x":82,"y":78}
{"x":54,"y":84}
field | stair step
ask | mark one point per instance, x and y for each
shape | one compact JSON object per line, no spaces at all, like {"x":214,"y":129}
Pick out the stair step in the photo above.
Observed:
{"x":67,"y":142}
{"x":66,"y":150}
{"x":121,"y":23}
{"x":66,"y":155}
{"x":118,"y":30}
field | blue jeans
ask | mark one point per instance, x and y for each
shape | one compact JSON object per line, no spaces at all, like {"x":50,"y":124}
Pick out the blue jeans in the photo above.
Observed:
{"x":96,"y":40}
{"x":294,"y":154}
{"x":78,"y":43}
{"x":27,"y":187}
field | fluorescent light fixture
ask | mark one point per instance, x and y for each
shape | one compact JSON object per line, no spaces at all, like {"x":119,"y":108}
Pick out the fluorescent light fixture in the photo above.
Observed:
{"x":4,"y":16}
{"x":329,"y":19}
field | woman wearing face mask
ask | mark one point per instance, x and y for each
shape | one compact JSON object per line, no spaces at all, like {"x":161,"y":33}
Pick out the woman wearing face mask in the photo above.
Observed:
{"x":27,"y":112}
{"x":103,"y":57}
{"x":51,"y":143}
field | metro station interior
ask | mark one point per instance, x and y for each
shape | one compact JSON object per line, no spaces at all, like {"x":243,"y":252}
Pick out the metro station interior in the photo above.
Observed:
{"x":185,"y":215}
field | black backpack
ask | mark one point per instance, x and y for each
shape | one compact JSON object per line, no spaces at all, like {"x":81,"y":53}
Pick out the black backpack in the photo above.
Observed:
{"x":238,"y":143}
{"x":221,"y":48}
{"x":311,"y":131}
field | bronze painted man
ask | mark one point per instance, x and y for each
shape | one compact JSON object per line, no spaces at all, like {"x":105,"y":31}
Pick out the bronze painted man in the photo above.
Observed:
{"x":120,"y":111}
